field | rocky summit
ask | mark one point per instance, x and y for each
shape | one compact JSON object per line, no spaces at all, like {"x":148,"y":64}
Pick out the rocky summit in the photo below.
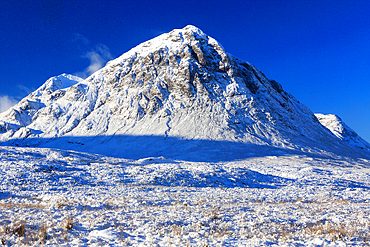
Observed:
{"x":180,"y":87}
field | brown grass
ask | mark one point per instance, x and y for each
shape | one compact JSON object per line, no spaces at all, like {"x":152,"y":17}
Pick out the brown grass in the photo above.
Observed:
{"x":69,"y":223}
{"x":12,"y":205}
{"x":43,"y":233}
{"x":19,"y":229}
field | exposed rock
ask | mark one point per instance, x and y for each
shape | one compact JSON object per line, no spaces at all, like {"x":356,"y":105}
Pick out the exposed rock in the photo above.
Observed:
{"x":180,"y":84}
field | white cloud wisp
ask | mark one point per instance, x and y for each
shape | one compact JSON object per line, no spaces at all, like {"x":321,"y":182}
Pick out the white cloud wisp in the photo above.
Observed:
{"x":98,"y":57}
{"x":6,"y":102}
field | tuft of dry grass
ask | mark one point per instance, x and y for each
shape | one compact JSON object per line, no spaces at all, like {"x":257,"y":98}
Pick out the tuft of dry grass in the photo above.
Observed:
{"x":213,"y":215}
{"x":19,"y":229}
{"x":220,"y":231}
{"x":176,"y":229}
{"x":69,"y":223}
{"x":42,"y":235}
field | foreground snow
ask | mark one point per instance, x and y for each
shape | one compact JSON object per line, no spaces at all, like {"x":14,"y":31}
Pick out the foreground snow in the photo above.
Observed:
{"x":67,"y":198}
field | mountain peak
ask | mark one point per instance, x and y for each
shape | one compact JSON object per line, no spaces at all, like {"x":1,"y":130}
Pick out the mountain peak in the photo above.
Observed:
{"x":59,"y":82}
{"x":175,"y":41}
{"x":195,"y":30}
{"x":181,"y":84}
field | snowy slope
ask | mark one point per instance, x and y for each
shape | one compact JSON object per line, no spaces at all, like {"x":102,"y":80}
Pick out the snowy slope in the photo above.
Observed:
{"x":336,"y":125}
{"x":39,"y":112}
{"x":178,"y":86}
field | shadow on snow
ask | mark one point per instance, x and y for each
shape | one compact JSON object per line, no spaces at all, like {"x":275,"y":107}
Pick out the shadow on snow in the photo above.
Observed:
{"x":139,"y":147}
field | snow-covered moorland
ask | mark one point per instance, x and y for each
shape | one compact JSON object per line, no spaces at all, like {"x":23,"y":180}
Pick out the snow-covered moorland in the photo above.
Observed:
{"x":66,"y":198}
{"x":178,"y":143}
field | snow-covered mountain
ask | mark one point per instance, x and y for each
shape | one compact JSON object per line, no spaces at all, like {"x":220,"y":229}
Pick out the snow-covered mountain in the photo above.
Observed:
{"x":336,"y":125}
{"x":30,"y":117}
{"x":181,"y":85}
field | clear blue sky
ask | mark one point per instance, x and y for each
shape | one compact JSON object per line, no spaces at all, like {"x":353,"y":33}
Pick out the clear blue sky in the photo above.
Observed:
{"x":318,"y":50}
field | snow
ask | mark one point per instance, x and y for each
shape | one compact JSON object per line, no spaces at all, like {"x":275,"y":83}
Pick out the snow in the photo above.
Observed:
{"x":336,"y":125}
{"x":59,"y":82}
{"x":179,"y":85}
{"x":284,"y":200}
{"x":178,"y":143}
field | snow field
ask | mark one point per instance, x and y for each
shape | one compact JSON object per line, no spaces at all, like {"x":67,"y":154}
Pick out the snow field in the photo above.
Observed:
{"x":182,"y":97}
{"x":66,"y":198}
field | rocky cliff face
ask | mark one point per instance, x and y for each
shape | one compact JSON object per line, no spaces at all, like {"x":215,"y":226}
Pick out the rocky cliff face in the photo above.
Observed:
{"x":180,"y":84}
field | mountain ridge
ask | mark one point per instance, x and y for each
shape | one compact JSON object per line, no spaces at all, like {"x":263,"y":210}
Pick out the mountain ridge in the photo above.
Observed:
{"x":341,"y":130}
{"x":180,"y":84}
